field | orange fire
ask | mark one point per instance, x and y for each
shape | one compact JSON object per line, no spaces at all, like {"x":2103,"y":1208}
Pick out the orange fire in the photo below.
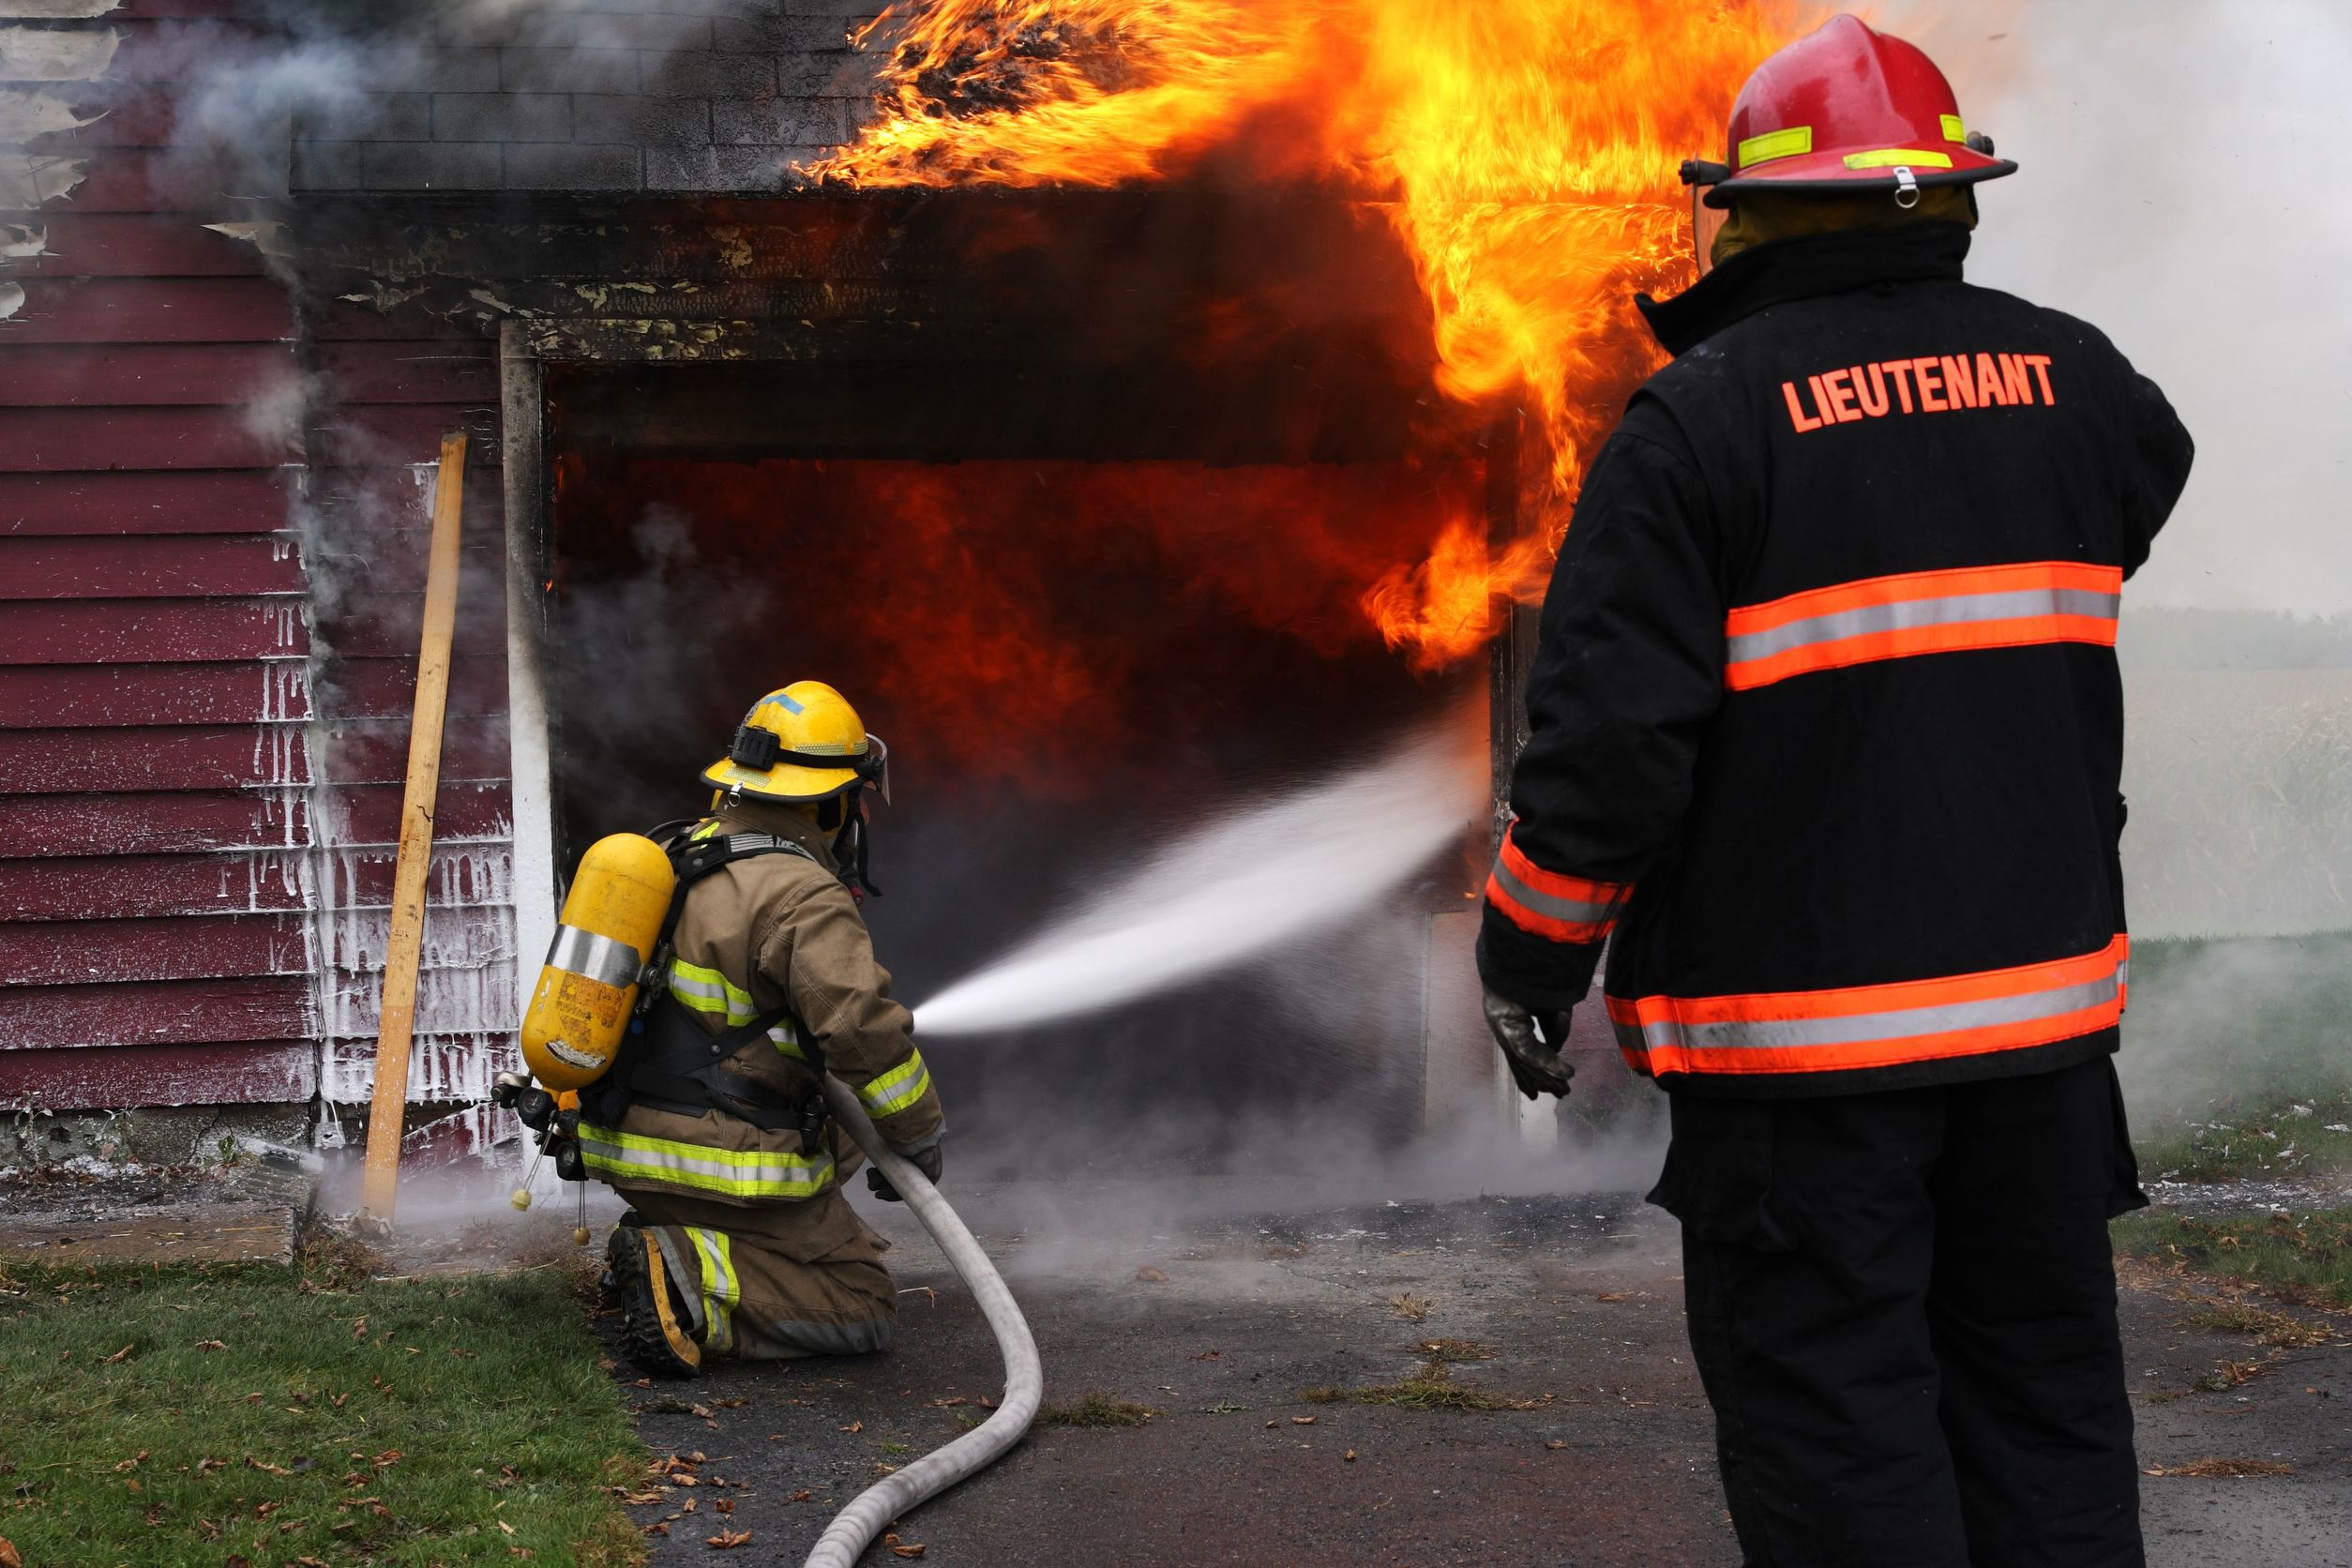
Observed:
{"x":1523,"y":151}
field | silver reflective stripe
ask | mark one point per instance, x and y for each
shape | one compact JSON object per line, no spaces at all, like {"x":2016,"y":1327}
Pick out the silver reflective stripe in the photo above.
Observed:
{"x":1904,"y":614}
{"x":1908,"y":1023}
{"x":753,"y":1173}
{"x":1574,"y":910}
{"x":600,"y":959}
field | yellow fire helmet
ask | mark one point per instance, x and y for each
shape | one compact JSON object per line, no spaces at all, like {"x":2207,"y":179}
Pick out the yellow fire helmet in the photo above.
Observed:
{"x":804,"y":743}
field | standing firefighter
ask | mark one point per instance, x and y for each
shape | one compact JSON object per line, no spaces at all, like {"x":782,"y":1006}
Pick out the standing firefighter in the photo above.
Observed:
{"x":739,"y":1240}
{"x":1826,"y":726}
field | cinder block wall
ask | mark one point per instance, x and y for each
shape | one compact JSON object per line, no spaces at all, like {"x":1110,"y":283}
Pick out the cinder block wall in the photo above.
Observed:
{"x":615,"y":96}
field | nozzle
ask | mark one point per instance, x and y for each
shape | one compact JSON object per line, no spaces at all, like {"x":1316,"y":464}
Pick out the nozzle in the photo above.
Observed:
{"x":521,"y":1198}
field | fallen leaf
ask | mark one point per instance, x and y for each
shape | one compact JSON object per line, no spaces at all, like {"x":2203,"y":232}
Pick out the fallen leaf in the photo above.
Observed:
{"x":210,"y":1345}
{"x":1349,"y":1457}
{"x":1610,"y":1296}
{"x":914,"y":1550}
{"x":854,"y":1426}
{"x":1209,"y":1355}
{"x":949,"y":1404}
{"x":9,"y":1556}
{"x":801,"y":1496}
{"x":656,"y":1529}
{"x":1302,"y":1421}
{"x":1554,"y":1445}
{"x":389,"y":1456}
{"x":688,"y":1506}
{"x":1151,"y":1275}
{"x":727,"y":1540}
{"x":131,"y":1462}
{"x":266,"y":1470}
{"x":505,"y":1526}
{"x":359,"y":1329}
{"x":117,"y":1355}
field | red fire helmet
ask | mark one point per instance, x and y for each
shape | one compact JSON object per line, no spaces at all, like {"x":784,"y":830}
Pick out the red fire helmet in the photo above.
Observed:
{"x":1846,"y":108}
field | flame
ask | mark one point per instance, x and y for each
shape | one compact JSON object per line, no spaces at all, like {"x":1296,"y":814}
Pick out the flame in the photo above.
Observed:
{"x":1523,"y":151}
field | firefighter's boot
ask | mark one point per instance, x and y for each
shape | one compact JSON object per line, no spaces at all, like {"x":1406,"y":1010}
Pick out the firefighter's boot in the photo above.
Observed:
{"x":655,"y":1333}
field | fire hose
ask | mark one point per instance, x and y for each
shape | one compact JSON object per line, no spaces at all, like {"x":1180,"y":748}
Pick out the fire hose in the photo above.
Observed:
{"x":854,"y":1528}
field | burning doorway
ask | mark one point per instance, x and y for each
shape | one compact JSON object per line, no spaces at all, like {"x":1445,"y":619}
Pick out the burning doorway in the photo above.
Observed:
{"x":1106,"y":510}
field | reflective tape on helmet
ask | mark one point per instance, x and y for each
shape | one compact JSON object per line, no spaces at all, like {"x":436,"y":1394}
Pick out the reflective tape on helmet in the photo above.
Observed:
{"x":597,"y":958}
{"x":707,"y":990}
{"x":887,"y":1093}
{"x":1550,"y":903}
{"x":1888,"y":157}
{"x":1920,"y":613}
{"x":1876,"y":1026}
{"x":1775,"y":144}
{"x":726,"y":1173}
{"x":1955,"y":129}
{"x":720,"y":1290}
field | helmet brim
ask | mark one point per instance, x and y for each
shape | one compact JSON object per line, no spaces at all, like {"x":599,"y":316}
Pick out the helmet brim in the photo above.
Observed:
{"x":1826,"y":175}
{"x":793,"y":782}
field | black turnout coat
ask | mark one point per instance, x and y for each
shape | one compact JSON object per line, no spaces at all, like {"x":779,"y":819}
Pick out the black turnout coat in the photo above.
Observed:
{"x":1827,"y":726}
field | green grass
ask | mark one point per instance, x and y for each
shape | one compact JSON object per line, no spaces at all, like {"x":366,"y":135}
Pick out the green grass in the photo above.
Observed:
{"x":2306,"y":1259}
{"x":1429,"y":1386}
{"x":1095,"y":1408}
{"x":247,"y":1415}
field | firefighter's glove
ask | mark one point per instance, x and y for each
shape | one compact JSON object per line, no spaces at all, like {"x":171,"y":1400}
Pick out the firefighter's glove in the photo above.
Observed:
{"x":927,"y":1161}
{"x":1530,"y":1042}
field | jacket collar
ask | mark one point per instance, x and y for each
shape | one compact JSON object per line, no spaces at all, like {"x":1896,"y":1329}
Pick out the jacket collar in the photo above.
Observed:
{"x":1802,"y":268}
{"x":767,"y":816}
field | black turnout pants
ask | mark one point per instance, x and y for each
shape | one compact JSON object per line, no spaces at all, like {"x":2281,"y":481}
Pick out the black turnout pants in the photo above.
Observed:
{"x":1903,"y":1307}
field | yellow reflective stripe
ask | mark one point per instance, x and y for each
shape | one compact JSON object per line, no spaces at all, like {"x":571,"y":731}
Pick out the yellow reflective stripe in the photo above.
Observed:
{"x":732,"y":1172}
{"x":894,"y":1090}
{"x":707,"y":990}
{"x":1776,"y":143}
{"x":788,"y":1041}
{"x":1954,"y":129}
{"x":706,"y":830}
{"x":720,"y":1292}
{"x":1886,"y":158}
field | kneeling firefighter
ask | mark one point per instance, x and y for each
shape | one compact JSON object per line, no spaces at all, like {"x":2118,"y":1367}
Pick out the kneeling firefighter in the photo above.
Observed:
{"x":711,"y":1120}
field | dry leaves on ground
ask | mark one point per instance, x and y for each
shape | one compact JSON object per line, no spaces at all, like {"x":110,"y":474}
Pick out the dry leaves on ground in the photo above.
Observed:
{"x":728,"y":1540}
{"x":2223,"y":1469}
{"x":1151,"y":1275}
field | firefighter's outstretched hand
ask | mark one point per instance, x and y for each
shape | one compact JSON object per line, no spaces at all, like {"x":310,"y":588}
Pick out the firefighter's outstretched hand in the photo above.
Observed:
{"x":927,"y":1161}
{"x":1530,"y":1042}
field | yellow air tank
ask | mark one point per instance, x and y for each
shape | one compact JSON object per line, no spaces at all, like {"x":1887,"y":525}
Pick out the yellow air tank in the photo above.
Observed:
{"x":611,"y":919}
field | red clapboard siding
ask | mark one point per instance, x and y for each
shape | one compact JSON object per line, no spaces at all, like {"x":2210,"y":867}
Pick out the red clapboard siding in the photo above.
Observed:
{"x":203,"y":947}
{"x":155,"y":180}
{"x":176,"y":48}
{"x":396,"y":558}
{"x":155,"y":1013}
{"x":60,"y":761}
{"x":135,"y":245}
{"x":151,"y":311}
{"x":404,"y":432}
{"x":270,"y":1072}
{"x":261,"y":882}
{"x":209,"y":947}
{"x":78,"y":440}
{"x":38,"y":697}
{"x":375,"y":751}
{"x":390,"y":625}
{"x":386,"y":688}
{"x":187,"y":566}
{"x":138,"y":374}
{"x":137,"y":822}
{"x":453,"y":373}
{"x":244,"y":501}
{"x":339,"y":321}
{"x":154,"y":631}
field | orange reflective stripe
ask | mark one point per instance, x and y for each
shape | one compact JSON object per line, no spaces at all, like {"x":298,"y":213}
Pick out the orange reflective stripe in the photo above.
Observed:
{"x":1877,"y":1026}
{"x":1550,"y":903}
{"x":1920,"y":613}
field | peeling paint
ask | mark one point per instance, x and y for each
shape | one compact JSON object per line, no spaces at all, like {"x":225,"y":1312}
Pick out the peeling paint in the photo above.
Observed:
{"x":269,"y":238}
{"x":57,"y":10}
{"x":12,"y":299}
{"x":51,"y":55}
{"x":26,"y":114}
{"x":30,"y":180}
{"x":22,"y":242}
